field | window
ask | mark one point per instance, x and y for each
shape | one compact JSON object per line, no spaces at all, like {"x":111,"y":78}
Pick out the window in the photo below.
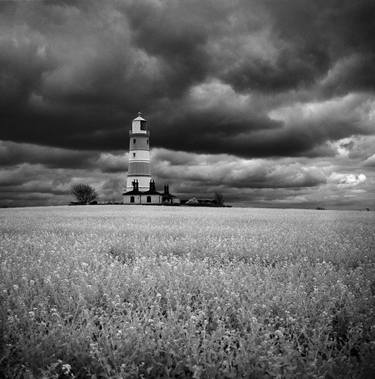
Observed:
{"x":149,"y":199}
{"x":133,"y":155}
{"x":132,"y":199}
{"x":134,"y":140}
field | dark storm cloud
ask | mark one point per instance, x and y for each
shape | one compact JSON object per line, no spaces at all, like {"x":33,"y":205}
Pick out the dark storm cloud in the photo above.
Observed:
{"x":311,"y":182}
{"x":302,"y":129}
{"x":176,"y":41}
{"x":232,"y":172}
{"x":370,"y":161}
{"x":259,"y":181}
{"x":13,"y":153}
{"x":36,"y":184}
{"x":83,"y":71}
{"x":351,"y":73}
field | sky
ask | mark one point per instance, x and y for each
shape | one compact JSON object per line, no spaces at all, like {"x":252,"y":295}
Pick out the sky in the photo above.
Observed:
{"x":270,"y":102}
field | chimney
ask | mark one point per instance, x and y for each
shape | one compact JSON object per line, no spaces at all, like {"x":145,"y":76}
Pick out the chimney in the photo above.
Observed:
{"x":152,"y":185}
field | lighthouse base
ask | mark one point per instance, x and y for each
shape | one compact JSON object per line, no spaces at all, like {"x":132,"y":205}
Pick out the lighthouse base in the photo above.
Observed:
{"x":143,"y":199}
{"x":143,"y":183}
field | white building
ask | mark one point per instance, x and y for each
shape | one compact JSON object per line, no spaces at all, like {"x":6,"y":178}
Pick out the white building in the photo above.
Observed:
{"x":135,"y":196}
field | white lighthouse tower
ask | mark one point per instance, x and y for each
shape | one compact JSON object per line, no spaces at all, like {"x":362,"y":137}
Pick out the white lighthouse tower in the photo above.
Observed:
{"x":139,"y":169}
{"x":140,"y":186}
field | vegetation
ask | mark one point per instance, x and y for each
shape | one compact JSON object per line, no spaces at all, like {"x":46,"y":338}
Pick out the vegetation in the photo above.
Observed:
{"x":219,"y":199}
{"x":176,"y":292}
{"x":84,"y":193}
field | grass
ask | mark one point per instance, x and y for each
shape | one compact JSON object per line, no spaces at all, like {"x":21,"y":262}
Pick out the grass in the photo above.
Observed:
{"x":121,"y":291}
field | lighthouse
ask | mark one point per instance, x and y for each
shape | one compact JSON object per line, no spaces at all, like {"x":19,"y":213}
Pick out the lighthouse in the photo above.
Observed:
{"x":139,"y":169}
{"x":140,"y":186}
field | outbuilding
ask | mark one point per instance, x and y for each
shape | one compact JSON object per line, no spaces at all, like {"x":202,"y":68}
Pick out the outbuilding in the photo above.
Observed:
{"x":135,"y":196}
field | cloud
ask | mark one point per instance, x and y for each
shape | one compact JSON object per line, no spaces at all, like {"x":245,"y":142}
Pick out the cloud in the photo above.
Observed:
{"x":353,"y":72}
{"x":233,"y":172}
{"x":112,"y":163}
{"x":335,"y":118}
{"x":223,"y":68}
{"x":255,"y":181}
{"x":17,"y":153}
{"x":36,"y":184}
{"x":370,"y":161}
{"x":254,"y":83}
{"x":12,"y":154}
{"x":347,"y":179}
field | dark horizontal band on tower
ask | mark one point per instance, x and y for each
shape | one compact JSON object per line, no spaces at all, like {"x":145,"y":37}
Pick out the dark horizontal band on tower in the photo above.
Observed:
{"x":142,"y":148}
{"x":136,"y":175}
{"x":139,"y":168}
{"x":131,"y":134}
{"x":139,"y":143}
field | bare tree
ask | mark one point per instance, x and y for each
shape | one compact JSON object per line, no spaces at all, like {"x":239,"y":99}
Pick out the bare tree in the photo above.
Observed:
{"x":219,"y":199}
{"x":84,"y":193}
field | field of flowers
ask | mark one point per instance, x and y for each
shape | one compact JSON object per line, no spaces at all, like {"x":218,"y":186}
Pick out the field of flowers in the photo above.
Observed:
{"x":122,"y":291}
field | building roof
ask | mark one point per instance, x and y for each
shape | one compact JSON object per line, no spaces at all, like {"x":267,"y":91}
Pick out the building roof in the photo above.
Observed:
{"x":137,"y":192}
{"x":133,"y":192}
{"x":168,"y":195}
{"x":151,"y":192}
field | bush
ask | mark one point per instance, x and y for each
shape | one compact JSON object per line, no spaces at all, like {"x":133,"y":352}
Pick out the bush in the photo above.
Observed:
{"x":84,"y":193}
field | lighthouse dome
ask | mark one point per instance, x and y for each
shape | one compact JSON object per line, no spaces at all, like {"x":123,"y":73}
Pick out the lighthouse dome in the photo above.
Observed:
{"x":139,"y":118}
